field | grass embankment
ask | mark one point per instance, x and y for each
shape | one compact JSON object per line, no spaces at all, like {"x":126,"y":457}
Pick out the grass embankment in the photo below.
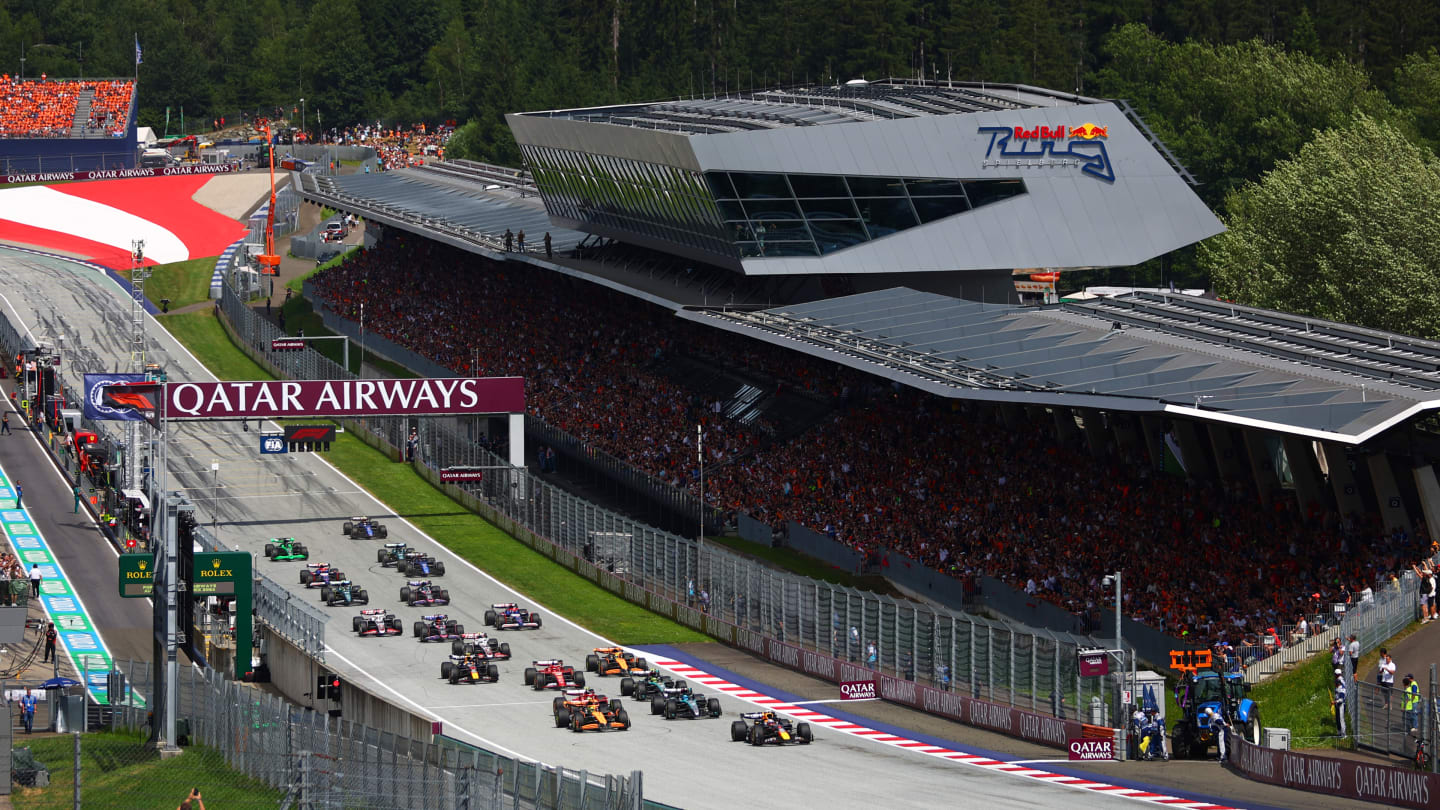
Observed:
{"x":116,"y":770}
{"x":400,"y":488}
{"x":184,"y":283}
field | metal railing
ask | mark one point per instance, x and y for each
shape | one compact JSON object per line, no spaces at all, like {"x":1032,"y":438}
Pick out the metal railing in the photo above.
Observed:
{"x":990,"y":659}
{"x":1372,"y":621}
{"x":321,"y":761}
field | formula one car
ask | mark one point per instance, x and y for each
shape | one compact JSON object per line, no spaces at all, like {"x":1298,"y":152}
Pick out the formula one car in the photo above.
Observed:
{"x":377,"y":622}
{"x":416,"y":563}
{"x":510,"y":616}
{"x":767,"y":727}
{"x":344,"y":593}
{"x":552,"y":674}
{"x":649,"y":685}
{"x":286,"y":548}
{"x":587,"y":711}
{"x":614,"y":661}
{"x":421,"y":592}
{"x":684,"y":703}
{"x":469,"y":669}
{"x":481,"y":644}
{"x":363,"y":527}
{"x":391,"y":555}
{"x":438,"y":627}
{"x":318,"y":574}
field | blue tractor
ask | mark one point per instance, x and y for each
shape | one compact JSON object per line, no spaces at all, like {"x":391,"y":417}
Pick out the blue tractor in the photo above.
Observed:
{"x":1201,"y":689}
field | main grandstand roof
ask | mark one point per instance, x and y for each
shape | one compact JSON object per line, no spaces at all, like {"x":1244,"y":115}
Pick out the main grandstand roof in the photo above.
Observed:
{"x":1143,"y":352}
{"x":820,"y":105}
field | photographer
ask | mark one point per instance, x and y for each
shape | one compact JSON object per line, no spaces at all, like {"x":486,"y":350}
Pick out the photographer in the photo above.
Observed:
{"x":193,"y":801}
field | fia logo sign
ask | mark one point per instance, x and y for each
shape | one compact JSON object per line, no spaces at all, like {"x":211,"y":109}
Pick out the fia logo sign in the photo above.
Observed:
{"x":272,"y":444}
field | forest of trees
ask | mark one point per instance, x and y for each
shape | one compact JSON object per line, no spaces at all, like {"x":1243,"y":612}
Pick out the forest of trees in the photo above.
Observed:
{"x":1254,"y":96}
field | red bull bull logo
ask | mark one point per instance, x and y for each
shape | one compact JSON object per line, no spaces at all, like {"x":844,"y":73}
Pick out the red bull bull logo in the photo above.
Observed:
{"x":1089,"y":131}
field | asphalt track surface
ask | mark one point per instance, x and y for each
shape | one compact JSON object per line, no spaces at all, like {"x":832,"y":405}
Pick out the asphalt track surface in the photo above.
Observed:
{"x":689,"y":764}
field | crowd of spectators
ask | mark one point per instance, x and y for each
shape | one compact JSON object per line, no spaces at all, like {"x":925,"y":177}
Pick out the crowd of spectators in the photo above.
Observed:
{"x":11,"y":571}
{"x":396,"y":148}
{"x":37,"y":108}
{"x":110,"y":107}
{"x":890,"y":468}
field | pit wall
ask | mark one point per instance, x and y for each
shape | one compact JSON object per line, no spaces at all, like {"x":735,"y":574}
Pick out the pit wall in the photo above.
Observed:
{"x":1366,"y":781}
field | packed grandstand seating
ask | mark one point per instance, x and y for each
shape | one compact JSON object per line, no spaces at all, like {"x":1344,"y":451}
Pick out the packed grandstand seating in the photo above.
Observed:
{"x":395,"y":148}
{"x":889,"y":467}
{"x":45,"y":108}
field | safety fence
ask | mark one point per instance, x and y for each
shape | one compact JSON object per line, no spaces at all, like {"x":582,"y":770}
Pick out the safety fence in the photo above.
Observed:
{"x":78,"y":162}
{"x":1371,"y":620}
{"x":288,"y":756}
{"x":990,"y":659}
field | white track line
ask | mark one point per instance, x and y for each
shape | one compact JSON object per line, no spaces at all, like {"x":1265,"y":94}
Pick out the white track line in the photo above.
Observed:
{"x":1018,"y":768}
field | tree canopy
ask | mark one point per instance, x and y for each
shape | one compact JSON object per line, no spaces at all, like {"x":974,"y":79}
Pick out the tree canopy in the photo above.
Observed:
{"x":1345,"y":230}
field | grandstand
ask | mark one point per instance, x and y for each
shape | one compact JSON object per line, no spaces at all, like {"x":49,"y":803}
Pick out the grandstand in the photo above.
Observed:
{"x":58,"y":125}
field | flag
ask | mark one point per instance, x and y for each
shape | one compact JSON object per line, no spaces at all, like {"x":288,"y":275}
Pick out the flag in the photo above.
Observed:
{"x":141,"y":398}
{"x":138,"y":60}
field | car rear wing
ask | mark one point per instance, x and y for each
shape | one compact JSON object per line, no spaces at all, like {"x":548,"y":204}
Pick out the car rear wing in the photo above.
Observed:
{"x":473,"y":636}
{"x":458,"y":657}
{"x":548,"y":662}
{"x":395,"y":545}
{"x":434,"y":617}
{"x":753,"y":715}
{"x":608,"y":650}
{"x":372,"y":612}
{"x":281,"y":540}
{"x":504,"y":606}
{"x":359,"y":518}
{"x":317,"y":565}
{"x":415,"y":583}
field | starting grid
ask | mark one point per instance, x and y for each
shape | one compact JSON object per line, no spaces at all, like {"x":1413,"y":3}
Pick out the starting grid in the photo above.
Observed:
{"x":77,"y":635}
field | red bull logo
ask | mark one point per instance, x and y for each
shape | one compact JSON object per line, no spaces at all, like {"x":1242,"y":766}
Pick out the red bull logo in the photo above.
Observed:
{"x":1089,"y":131}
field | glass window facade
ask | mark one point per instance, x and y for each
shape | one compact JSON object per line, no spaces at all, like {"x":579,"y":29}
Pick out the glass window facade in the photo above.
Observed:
{"x":771,"y":214}
{"x":754,"y":214}
{"x":650,"y":199}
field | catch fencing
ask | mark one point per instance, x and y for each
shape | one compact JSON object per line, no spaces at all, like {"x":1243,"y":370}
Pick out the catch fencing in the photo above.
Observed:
{"x":287,"y":756}
{"x":990,"y":659}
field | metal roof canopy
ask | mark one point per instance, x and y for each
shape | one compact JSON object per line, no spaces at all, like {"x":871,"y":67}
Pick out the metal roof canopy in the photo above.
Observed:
{"x":1143,"y":352}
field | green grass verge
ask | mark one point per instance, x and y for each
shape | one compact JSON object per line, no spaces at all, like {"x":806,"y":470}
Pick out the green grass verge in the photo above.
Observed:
{"x":300,"y":314}
{"x":184,"y":283}
{"x":298,"y":283}
{"x":400,"y":488}
{"x":806,"y":566}
{"x":117,"y":771}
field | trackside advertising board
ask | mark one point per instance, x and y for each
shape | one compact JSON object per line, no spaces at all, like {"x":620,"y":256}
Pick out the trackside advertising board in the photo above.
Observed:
{"x":1354,"y":779}
{"x":119,"y":174}
{"x":273,"y":399}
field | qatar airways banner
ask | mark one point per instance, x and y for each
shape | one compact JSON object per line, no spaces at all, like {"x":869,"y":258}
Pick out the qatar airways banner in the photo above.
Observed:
{"x":118,"y":174}
{"x":273,"y":399}
{"x":1368,"y":781}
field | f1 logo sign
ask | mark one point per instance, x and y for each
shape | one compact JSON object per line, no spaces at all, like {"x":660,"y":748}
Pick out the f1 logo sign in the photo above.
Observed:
{"x":274,"y":443}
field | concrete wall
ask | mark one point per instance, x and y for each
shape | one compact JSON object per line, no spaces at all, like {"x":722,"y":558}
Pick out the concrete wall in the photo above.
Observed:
{"x":27,"y":155}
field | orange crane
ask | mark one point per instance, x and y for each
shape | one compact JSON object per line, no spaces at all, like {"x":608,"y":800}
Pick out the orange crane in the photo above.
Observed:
{"x":269,"y":260}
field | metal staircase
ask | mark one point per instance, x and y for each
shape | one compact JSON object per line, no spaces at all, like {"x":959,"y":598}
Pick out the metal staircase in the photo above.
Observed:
{"x":80,"y":124}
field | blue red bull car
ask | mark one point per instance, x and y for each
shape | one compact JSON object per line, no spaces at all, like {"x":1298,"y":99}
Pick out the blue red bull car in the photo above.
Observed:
{"x":469,"y":669}
{"x":552,"y":674}
{"x":418,"y":592}
{"x":438,"y":627}
{"x":318,"y":575}
{"x":510,"y":616}
{"x":760,"y":728}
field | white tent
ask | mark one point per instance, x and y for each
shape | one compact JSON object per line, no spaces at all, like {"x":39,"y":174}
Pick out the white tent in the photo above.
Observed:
{"x":145,"y":137}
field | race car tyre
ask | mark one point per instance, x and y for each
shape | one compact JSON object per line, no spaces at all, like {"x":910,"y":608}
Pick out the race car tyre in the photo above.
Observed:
{"x":562,"y":717}
{"x":403,"y":567}
{"x":657,"y":705}
{"x":362,"y":596}
{"x":539,"y":684}
{"x":355,"y":623}
{"x":738,"y":731}
{"x":269,"y":549}
{"x":454,"y":676}
{"x":445,"y":595}
{"x":535,"y":617}
{"x":347,"y":529}
{"x":393,"y":623}
{"x":627,"y":687}
{"x":302,"y":551}
{"x":382,"y":532}
{"x":579,"y":679}
{"x":714,"y":706}
{"x":459,"y":629}
{"x":306,"y":577}
{"x":757,"y":736}
{"x":446,"y":667}
{"x":671,"y":710}
{"x":802,"y":730}
{"x":575,"y":723}
{"x":405,"y":594}
{"x":450,"y":625}
{"x":592,"y":663}
{"x":489,"y":618}
{"x":504,"y":648}
{"x":529,"y":675}
{"x":439,"y":569}
{"x":640,"y":664}
{"x":380,"y":555}
{"x":493,"y":672}
{"x":557,"y":704}
{"x":457,"y":648}
{"x":325,"y":594}
{"x":623,"y":717}
{"x":419,"y":629}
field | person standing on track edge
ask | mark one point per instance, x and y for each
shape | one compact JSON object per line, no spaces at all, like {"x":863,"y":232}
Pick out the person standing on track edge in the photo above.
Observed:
{"x":35,"y":578}
{"x":5,"y":423}
{"x":27,"y":710}
{"x":19,"y":493}
{"x":50,"y":636}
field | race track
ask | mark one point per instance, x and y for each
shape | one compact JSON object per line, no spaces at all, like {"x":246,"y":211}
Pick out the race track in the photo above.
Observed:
{"x":689,"y":764}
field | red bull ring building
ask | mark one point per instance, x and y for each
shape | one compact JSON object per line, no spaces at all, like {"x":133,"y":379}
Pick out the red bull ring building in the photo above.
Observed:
{"x":880,"y":226}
